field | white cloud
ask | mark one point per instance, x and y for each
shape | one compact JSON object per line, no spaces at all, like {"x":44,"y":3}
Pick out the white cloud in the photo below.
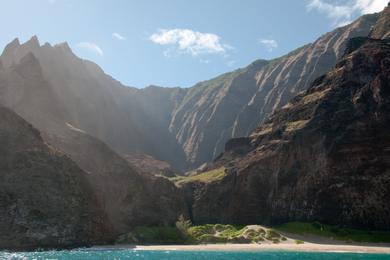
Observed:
{"x":269,"y":44}
{"x":90,"y":46}
{"x":118,"y":36}
{"x":371,"y":6}
{"x":188,"y":41}
{"x":341,"y":13}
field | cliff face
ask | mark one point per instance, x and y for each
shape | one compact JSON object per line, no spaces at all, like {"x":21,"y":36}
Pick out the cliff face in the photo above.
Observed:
{"x":233,"y":104}
{"x":45,"y":200}
{"x":325,"y":156}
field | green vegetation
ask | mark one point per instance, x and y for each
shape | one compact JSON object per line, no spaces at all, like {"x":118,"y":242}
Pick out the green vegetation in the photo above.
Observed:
{"x":314,"y":96}
{"x":334,"y":232}
{"x":205,"y":177}
{"x":295,"y":125}
{"x":217,"y":233}
{"x":185,"y":233}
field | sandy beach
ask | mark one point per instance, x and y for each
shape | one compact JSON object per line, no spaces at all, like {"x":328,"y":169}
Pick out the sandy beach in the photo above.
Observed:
{"x":306,"y":247}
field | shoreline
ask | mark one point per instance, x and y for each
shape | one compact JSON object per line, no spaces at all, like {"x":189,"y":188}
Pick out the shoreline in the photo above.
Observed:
{"x":306,"y":247}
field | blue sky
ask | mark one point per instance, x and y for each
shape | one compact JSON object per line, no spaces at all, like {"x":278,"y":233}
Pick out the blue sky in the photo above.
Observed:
{"x":176,"y":42}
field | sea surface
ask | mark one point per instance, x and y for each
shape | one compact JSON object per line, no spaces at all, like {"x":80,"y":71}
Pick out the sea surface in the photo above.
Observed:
{"x":187,"y":255}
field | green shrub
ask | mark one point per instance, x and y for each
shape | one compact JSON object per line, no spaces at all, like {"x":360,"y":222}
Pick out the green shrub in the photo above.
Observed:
{"x":197,"y":231}
{"x":271,"y":235}
{"x":298,"y":242}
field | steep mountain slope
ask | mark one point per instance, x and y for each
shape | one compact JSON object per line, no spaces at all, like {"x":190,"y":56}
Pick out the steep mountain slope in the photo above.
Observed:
{"x":45,"y":200}
{"x":127,"y":197}
{"x":90,"y":100}
{"x":233,"y":104}
{"x":325,"y":156}
{"x":185,"y":127}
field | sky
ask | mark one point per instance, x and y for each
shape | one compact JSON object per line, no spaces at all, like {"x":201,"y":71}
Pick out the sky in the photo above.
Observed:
{"x":177,"y":42}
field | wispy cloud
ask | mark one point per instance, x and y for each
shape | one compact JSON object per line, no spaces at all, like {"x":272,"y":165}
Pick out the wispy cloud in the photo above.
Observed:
{"x":341,"y":13}
{"x":118,"y":36}
{"x":189,"y":41}
{"x":92,"y":47}
{"x":269,"y":44}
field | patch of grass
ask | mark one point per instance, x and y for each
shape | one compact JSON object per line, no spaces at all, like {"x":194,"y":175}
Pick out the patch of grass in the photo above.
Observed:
{"x":314,"y":96}
{"x":295,"y":125}
{"x":205,"y":177}
{"x":263,"y":130}
{"x":298,"y":242}
{"x":334,"y":232}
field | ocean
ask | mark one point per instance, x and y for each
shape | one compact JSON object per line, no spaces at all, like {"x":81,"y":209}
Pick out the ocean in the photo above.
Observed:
{"x":117,"y":254}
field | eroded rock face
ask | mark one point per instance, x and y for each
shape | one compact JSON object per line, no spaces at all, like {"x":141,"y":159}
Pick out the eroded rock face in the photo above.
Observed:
{"x":45,"y":200}
{"x":325,"y":156}
{"x":233,"y":104}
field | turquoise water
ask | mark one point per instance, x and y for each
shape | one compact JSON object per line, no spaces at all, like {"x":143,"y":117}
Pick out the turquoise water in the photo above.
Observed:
{"x":187,"y":255}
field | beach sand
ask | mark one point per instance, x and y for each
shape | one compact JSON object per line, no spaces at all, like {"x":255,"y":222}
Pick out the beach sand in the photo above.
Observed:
{"x":306,"y":247}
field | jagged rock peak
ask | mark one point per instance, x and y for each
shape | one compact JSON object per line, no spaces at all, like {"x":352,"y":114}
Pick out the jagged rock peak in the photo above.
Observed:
{"x":11,"y":46}
{"x":63,"y":46}
{"x":15,"y":42}
{"x":33,"y":42}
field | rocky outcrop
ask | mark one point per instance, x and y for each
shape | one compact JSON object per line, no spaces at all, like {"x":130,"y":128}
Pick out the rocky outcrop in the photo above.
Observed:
{"x":45,"y":200}
{"x":325,"y":156}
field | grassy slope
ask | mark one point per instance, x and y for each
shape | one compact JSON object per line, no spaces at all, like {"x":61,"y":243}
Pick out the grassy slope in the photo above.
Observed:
{"x":205,"y":177}
{"x":333,"y":232}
